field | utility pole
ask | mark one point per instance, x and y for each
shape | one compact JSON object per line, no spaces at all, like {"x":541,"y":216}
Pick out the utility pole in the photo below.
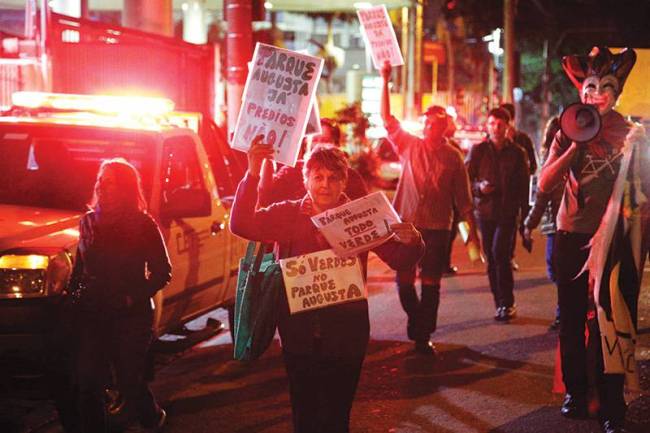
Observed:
{"x":417,"y":57}
{"x":239,"y":50}
{"x":509,"y":49}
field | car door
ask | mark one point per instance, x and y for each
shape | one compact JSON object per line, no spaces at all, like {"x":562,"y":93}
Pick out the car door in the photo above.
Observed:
{"x":197,"y":246}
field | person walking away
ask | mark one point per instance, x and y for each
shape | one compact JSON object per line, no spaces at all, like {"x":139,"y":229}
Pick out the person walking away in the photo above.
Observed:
{"x":433,"y":181}
{"x":323,"y":349}
{"x":544,"y":211}
{"x":121,"y":262}
{"x":498,"y":173}
{"x":598,"y":249}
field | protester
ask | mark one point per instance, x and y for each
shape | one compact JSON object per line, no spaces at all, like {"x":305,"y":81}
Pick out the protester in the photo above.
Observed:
{"x":498,"y":172}
{"x":121,"y":262}
{"x":605,"y":180}
{"x":448,"y":267}
{"x":545,"y":211}
{"x":323,"y":349}
{"x":433,"y":181}
{"x":521,"y":139}
{"x":287,"y":183}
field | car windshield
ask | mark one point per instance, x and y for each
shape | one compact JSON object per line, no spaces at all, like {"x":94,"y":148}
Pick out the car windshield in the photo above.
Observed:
{"x":57,"y":167}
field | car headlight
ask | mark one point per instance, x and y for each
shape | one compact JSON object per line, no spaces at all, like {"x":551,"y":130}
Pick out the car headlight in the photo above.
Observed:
{"x":33,"y":275}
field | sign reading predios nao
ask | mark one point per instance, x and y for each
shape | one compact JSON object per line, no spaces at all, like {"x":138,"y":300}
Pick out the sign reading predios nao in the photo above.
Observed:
{"x":379,"y":35}
{"x":322,"y":279}
{"x":358,"y":225}
{"x":277,"y":100}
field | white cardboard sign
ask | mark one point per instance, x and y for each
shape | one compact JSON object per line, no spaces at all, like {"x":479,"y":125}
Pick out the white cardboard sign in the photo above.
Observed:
{"x":358,"y":225}
{"x":379,"y":35}
{"x":277,"y":100}
{"x":322,"y":279}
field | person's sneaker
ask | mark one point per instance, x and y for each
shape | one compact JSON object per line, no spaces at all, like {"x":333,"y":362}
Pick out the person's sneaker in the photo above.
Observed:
{"x":162,"y":418}
{"x":510,"y":312}
{"x":425,"y":348}
{"x":451,"y":270}
{"x":574,"y":406}
{"x":611,"y":426}
{"x":499,"y":314}
{"x":555,"y":325}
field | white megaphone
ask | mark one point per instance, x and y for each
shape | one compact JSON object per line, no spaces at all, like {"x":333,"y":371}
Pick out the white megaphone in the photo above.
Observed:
{"x":580,"y":122}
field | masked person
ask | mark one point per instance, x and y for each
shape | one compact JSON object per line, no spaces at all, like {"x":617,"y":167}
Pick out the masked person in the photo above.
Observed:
{"x":324,"y":348}
{"x":433,"y":182}
{"x":598,"y":259}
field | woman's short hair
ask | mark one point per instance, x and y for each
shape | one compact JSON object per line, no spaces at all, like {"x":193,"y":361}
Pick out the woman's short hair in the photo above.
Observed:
{"x":128,"y":188}
{"x":329,"y":157}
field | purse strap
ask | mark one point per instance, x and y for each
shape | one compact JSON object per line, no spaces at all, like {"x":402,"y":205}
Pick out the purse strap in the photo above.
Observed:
{"x":248,"y":258}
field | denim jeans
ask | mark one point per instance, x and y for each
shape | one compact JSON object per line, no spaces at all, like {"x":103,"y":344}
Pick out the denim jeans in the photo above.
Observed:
{"x":550,"y":267}
{"x":575,"y":304}
{"x":423,"y":312}
{"x":497,"y":240}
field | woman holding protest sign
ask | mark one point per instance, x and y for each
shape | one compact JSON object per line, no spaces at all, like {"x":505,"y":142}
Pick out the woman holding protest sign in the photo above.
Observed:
{"x":323,"y":345}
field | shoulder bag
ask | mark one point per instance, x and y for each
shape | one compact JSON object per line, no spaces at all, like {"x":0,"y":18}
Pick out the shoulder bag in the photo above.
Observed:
{"x":257,"y":302}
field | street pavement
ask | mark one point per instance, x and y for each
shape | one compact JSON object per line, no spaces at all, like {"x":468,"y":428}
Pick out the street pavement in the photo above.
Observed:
{"x":488,"y":377}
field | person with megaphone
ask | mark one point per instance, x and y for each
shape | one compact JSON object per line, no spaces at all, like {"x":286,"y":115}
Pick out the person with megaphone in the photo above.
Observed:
{"x":598,"y":245}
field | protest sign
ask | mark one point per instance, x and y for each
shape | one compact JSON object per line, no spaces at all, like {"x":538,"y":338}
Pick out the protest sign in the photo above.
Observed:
{"x":322,"y":279}
{"x":277,"y":100}
{"x":379,"y":35}
{"x":358,"y":225}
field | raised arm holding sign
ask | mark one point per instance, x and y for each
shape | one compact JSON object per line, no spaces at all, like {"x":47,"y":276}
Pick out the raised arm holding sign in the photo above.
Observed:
{"x":277,"y":100}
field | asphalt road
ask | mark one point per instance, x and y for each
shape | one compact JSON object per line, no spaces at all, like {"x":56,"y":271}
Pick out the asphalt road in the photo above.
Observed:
{"x":489,"y":376}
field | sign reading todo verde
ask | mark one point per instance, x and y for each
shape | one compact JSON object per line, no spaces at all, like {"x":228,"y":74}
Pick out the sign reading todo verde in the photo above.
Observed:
{"x":322,"y":279}
{"x":358,"y":225}
{"x":277,"y":100}
{"x":379,"y":35}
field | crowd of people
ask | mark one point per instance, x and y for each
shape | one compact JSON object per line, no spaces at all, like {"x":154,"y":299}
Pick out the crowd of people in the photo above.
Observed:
{"x":488,"y":190}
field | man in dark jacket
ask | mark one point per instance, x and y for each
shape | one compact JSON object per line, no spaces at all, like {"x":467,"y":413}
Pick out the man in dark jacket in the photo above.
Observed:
{"x":498,"y":172}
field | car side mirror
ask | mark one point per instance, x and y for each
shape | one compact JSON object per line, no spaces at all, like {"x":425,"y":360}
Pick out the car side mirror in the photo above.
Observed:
{"x":187,"y":203}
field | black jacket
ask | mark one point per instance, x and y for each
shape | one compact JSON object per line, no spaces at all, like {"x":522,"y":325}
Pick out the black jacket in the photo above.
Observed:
{"x":121,"y":260}
{"x":507,"y":170}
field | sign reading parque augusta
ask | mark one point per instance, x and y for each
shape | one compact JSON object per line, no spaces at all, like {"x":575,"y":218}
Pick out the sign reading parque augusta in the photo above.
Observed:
{"x":322,"y":279}
{"x":277,"y":100}
{"x":379,"y":35}
{"x":358,"y":225}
